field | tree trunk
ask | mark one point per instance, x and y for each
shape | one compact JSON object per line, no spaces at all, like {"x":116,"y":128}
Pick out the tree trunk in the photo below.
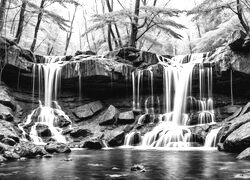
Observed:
{"x":110,"y":9}
{"x":109,"y":38}
{"x":240,"y":17}
{"x":86,"y":27}
{"x":39,"y":19}
{"x":134,"y":28}
{"x":20,"y":23}
{"x":69,"y":34}
{"x":2,"y":13}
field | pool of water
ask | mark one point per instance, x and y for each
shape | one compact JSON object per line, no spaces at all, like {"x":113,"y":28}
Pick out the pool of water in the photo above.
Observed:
{"x":116,"y":164}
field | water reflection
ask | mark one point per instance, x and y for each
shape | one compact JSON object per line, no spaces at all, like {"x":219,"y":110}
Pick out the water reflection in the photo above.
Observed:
{"x":116,"y":164}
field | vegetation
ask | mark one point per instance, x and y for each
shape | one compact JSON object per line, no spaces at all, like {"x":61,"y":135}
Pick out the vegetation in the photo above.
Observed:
{"x":64,"y":26}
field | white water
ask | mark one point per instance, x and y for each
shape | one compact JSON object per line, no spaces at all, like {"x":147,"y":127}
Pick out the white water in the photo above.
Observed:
{"x":211,"y":138}
{"x":173,"y":130}
{"x":49,"y":110}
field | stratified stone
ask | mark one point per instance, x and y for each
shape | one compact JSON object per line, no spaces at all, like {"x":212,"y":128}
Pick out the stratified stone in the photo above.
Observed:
{"x":126,"y":118}
{"x":109,"y":117}
{"x":88,"y":110}
{"x":239,"y":139}
{"x":244,"y":154}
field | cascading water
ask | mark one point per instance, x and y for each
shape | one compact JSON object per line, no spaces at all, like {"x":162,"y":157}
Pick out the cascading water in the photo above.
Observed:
{"x":211,"y":138}
{"x":173,"y":128}
{"x":48,"y":112}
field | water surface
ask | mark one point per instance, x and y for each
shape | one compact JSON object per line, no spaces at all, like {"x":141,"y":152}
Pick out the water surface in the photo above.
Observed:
{"x":116,"y":164}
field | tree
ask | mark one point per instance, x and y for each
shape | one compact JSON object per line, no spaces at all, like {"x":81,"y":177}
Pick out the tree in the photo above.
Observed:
{"x":238,"y":7}
{"x":3,"y":4}
{"x":57,"y":19}
{"x":142,"y":20}
{"x":69,"y":33}
{"x":21,"y":22}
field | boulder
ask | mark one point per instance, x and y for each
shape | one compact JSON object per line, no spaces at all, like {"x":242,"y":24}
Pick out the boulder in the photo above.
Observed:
{"x":117,"y":139}
{"x":88,"y":110}
{"x":61,"y":120}
{"x":244,"y":154}
{"x":10,"y":155}
{"x":43,"y":130}
{"x":235,"y":124}
{"x":54,"y":147}
{"x":93,"y":144}
{"x":109,"y":117}
{"x":126,"y":118}
{"x":28,"y":149}
{"x":79,"y":132}
{"x":239,"y":139}
{"x":6,"y":113}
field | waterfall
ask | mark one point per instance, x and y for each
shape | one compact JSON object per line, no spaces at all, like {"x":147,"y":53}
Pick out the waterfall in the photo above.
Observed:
{"x":49,"y":111}
{"x":173,"y":129}
{"x":211,"y":137}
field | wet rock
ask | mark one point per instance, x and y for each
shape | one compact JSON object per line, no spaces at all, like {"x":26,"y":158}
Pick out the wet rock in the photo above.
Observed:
{"x":28,"y":149}
{"x":8,"y":130}
{"x":225,"y":112}
{"x":3,"y":147}
{"x":47,"y":156}
{"x":67,"y":131}
{"x":199,"y":133}
{"x":61,"y":119}
{"x":239,"y":139}
{"x":235,"y":124}
{"x":109,"y":117}
{"x":117,"y":139}
{"x":2,"y":159}
{"x":244,"y":154}
{"x":43,"y":130}
{"x":6,"y":113}
{"x":138,"y":167}
{"x":8,"y":141}
{"x":22,"y":158}
{"x":126,"y":118}
{"x":93,"y":144}
{"x":67,"y":159}
{"x":245,"y":109}
{"x":10,"y":155}
{"x":78,"y":132}
{"x":220,"y":147}
{"x":88,"y":110}
{"x":54,"y":147}
{"x":6,"y":99}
